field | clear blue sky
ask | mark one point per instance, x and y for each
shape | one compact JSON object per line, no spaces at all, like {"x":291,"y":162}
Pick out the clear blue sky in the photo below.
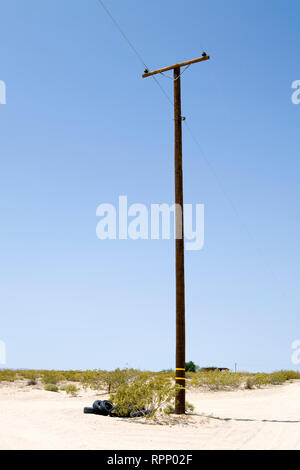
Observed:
{"x":81,"y":127}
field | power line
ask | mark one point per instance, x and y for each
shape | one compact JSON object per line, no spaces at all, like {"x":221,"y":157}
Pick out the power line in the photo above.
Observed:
{"x":163,"y":91}
{"x":208,"y":163}
{"x":122,"y":32}
{"x":219,"y":181}
{"x":211,"y":168}
{"x":138,"y":55}
{"x":236,"y":212}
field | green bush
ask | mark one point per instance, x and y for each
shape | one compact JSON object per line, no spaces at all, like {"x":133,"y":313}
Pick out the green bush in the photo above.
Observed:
{"x":109,"y":380}
{"x":216,"y":380}
{"x":51,"y":388}
{"x":119,"y":377}
{"x":210,"y":378}
{"x":71,"y":375}
{"x":282,"y":376}
{"x":52,"y":377}
{"x":190,"y":366}
{"x":250,"y":383}
{"x":71,"y":390}
{"x":93,"y":379}
{"x":7,"y":375}
{"x":170,"y":408}
{"x":275,"y":378}
{"x":189,"y":407}
{"x":28,"y":374}
{"x":151,"y":394}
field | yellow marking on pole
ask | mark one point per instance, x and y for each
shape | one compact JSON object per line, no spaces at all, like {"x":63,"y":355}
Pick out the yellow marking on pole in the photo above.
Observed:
{"x":177,"y":368}
{"x":180,"y":378}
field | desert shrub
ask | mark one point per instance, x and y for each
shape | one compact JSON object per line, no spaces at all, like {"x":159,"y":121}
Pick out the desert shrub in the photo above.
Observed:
{"x":52,"y":377}
{"x":170,"y":408}
{"x":261,"y":379}
{"x":151,"y":394}
{"x":292,"y":375}
{"x":210,"y":378}
{"x":93,"y":379}
{"x":216,"y":380}
{"x":170,"y":373}
{"x":31,"y":382}
{"x":7,"y":375}
{"x":275,"y":378}
{"x":188,"y":375}
{"x":119,"y":377}
{"x":189,"y":407}
{"x":282,"y":376}
{"x":71,"y":390}
{"x":51,"y":388}
{"x":28,"y":374}
{"x":250,"y":383}
{"x":71,"y":375}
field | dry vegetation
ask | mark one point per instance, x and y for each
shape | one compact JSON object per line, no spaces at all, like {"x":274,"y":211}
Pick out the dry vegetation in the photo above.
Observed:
{"x":226,"y":380}
{"x":134,"y":389}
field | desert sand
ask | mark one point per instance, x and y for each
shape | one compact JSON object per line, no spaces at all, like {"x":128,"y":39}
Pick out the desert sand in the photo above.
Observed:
{"x":269,"y":418}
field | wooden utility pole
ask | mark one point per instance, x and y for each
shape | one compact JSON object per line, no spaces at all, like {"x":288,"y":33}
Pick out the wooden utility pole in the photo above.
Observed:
{"x":179,"y":232}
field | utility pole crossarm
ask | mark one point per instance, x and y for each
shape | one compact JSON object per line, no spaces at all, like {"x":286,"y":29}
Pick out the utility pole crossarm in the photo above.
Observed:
{"x":175,"y":66}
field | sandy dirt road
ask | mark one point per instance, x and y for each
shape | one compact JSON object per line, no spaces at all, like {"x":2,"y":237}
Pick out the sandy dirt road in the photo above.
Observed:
{"x":250,"y":419}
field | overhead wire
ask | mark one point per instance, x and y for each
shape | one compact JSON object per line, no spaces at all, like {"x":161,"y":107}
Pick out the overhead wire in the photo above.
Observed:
{"x":226,"y":195}
{"x":206,"y":160}
{"x":138,"y":55}
{"x":100,"y":2}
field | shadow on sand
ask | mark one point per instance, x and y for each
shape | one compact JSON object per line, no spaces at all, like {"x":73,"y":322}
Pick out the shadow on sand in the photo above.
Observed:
{"x":252,"y":420}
